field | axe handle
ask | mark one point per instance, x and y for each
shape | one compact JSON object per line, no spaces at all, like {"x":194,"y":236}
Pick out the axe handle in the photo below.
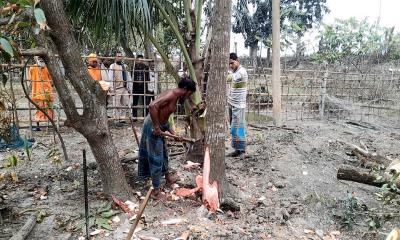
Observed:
{"x":174,"y":136}
{"x":134,"y":131}
{"x":139,"y":214}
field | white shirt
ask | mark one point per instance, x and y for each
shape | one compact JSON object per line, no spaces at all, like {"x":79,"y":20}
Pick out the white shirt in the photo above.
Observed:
{"x":238,"y":92}
{"x":151,"y":85}
{"x":115,"y":77}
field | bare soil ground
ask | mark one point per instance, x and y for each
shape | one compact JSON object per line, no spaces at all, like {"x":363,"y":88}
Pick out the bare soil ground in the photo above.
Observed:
{"x":286,"y":188}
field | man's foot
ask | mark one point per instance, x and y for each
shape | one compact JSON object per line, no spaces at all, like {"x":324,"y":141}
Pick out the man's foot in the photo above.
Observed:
{"x":236,"y":153}
{"x":171,"y":178}
{"x":157,"y":194}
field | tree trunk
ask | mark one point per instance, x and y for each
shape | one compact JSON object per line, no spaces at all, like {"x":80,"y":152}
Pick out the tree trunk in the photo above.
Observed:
{"x":354,"y":174}
{"x":196,"y":153}
{"x":253,"y":51}
{"x":92,"y":123}
{"x":216,"y":94}
{"x":106,"y":155}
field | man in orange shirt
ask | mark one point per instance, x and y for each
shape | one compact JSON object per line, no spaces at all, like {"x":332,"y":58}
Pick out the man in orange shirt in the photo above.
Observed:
{"x":42,"y":90}
{"x":97,"y":72}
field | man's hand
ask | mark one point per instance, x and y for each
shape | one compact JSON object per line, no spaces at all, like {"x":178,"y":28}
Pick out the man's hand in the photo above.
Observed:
{"x":178,"y":138}
{"x":157,"y":131}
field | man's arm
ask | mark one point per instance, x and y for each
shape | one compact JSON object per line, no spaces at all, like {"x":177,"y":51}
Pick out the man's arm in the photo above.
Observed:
{"x":154,"y":108}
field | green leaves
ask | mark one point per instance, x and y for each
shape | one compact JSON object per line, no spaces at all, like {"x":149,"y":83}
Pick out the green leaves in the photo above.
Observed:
{"x":26,"y":148}
{"x":40,"y":18}
{"x":12,"y":161}
{"x":353,"y":39}
{"x":6,"y":46}
{"x":100,"y":218}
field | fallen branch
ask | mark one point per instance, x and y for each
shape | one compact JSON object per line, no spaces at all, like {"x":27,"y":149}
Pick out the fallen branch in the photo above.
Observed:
{"x":361,"y":124}
{"x":25,"y":230}
{"x":350,"y":173}
{"x":268,"y":127}
{"x":367,"y":158}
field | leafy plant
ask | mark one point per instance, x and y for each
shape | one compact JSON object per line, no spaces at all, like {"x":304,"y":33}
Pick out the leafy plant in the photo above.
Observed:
{"x":54,"y":156}
{"x":389,"y":191}
{"x":12,"y":161}
{"x":26,"y":148}
{"x":351,"y":208}
{"x":100,"y":218}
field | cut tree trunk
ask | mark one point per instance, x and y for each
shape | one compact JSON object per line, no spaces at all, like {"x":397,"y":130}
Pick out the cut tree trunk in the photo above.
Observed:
{"x":354,"y":174}
{"x":92,"y":123}
{"x":216,"y":94}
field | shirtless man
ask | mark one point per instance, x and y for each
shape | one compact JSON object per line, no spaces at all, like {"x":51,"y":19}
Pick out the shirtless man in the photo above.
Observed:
{"x":153,"y":154}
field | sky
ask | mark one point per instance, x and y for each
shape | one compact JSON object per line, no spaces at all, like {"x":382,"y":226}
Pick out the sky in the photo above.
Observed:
{"x":388,"y":10}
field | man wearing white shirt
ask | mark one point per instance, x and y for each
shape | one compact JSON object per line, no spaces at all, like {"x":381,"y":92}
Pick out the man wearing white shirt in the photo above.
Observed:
{"x":120,"y":87}
{"x":237,"y":105}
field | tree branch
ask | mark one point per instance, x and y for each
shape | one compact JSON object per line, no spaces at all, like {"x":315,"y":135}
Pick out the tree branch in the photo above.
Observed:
{"x":90,"y":92}
{"x":199,"y":8}
{"x":187,"y":4}
{"x":58,"y":79}
{"x":164,"y":57}
{"x":34,"y":52}
{"x":179,"y":38}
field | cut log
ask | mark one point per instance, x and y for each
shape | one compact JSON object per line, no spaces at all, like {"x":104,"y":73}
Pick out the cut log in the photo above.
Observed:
{"x":24,"y":232}
{"x":350,"y":173}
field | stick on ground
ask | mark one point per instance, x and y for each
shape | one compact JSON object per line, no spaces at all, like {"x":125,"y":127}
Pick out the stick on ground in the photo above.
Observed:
{"x":141,"y":209}
{"x":24,"y":232}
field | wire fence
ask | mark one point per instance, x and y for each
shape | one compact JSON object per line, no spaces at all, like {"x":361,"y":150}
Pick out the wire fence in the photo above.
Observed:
{"x":306,"y":94}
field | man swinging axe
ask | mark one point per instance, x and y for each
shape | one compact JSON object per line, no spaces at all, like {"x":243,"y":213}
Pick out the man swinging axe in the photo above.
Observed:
{"x":153,"y":157}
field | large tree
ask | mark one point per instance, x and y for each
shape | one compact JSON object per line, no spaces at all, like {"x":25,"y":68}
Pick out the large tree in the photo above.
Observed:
{"x":253,"y":19}
{"x":56,"y":36}
{"x":351,"y":41}
{"x":216,"y":93}
{"x":182,"y":24}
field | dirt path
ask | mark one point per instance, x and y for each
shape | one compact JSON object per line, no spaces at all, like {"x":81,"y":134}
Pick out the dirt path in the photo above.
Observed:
{"x":287,"y":188}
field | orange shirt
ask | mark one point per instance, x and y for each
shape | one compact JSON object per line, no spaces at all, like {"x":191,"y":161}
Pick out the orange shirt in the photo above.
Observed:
{"x":95,"y":73}
{"x":42,"y":89}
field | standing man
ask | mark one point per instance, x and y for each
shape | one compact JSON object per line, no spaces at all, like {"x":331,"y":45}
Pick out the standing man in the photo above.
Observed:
{"x":153,"y":80}
{"x":153,"y":154}
{"x":237,"y":106}
{"x":120,"y":87}
{"x":140,"y":80}
{"x":42,"y":91}
{"x":98,"y":73}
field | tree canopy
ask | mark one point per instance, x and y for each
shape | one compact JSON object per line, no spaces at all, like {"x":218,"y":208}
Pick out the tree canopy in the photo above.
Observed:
{"x":253,"y":18}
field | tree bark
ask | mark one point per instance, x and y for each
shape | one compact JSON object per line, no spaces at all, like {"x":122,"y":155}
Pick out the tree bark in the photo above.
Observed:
{"x":92,"y":124}
{"x":354,"y":174}
{"x":216,"y":94}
